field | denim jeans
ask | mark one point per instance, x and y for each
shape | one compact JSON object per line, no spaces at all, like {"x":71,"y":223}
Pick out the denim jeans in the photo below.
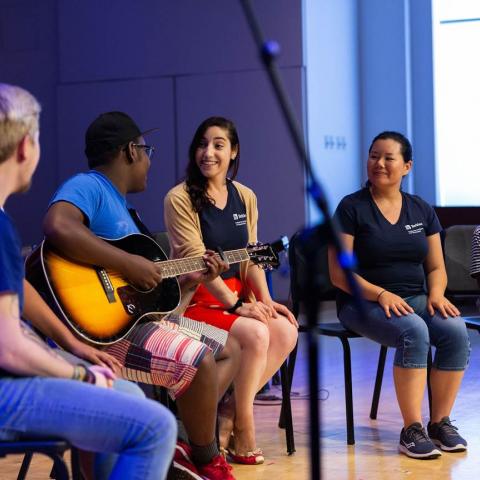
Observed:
{"x":140,"y":431}
{"x":413,"y":334}
{"x":104,"y":462}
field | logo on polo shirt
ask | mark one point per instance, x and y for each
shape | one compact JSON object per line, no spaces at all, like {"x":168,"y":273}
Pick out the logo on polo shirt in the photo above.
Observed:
{"x":240,"y":219}
{"x":414,"y":228}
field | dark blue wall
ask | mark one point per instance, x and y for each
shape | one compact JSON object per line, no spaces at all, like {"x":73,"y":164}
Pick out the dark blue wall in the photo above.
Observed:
{"x":169,"y":64}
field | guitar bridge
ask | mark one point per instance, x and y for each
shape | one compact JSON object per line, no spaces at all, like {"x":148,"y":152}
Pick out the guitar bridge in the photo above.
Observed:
{"x":106,"y":284}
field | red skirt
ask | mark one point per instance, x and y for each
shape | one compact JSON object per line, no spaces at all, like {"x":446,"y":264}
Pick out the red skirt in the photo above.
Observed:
{"x":204,"y":307}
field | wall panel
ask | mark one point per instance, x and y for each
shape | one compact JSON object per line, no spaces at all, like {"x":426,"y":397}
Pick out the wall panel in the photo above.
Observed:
{"x":150,"y":103}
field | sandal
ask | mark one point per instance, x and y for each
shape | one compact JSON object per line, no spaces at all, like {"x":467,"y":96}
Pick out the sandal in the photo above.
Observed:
{"x":223,"y":452}
{"x":251,"y":458}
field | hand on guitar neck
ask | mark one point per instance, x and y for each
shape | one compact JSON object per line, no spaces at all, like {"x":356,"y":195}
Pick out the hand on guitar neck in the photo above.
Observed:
{"x":145,"y":274}
{"x":214,"y":267}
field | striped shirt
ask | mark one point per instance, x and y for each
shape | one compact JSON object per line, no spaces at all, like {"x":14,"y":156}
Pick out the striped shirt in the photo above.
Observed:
{"x":475,"y":263}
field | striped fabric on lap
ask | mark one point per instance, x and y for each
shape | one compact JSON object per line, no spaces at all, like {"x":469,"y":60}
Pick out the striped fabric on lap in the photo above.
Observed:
{"x":158,"y":354}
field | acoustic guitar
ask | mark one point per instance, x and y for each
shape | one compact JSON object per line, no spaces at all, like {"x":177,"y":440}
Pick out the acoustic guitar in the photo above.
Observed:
{"x":100,"y":305}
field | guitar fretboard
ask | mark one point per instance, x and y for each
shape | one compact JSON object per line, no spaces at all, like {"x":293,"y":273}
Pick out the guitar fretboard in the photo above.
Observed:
{"x":181,"y":266}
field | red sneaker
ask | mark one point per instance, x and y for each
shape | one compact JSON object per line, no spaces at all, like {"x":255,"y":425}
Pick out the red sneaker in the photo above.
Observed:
{"x":217,"y":469}
{"x":182,"y":467}
{"x":184,"y":449}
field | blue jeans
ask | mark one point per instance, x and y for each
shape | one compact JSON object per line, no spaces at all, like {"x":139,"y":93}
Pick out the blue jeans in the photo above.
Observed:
{"x":140,"y":431}
{"x":104,"y":462}
{"x":413,"y":334}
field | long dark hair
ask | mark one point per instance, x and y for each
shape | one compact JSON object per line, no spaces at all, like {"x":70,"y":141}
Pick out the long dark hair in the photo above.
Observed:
{"x":195,"y":181}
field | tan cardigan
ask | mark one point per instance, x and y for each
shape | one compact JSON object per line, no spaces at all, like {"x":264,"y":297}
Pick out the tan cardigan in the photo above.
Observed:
{"x":185,"y":234}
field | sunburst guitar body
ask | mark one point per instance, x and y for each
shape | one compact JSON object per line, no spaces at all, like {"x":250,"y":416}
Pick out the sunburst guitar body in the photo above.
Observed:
{"x":100,"y":305}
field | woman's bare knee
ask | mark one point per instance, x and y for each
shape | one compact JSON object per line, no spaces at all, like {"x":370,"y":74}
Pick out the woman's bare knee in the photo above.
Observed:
{"x":283,"y":335}
{"x":252,"y":334}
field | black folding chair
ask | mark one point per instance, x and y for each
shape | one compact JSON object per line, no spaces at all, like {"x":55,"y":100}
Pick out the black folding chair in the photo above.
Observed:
{"x":327,"y":291}
{"x":462,"y":289}
{"x":53,"y":448}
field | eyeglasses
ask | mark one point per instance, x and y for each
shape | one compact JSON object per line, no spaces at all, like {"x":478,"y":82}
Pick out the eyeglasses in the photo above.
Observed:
{"x":149,"y":150}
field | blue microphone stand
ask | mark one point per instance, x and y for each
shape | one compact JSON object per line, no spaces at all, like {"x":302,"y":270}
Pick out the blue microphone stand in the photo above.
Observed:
{"x":269,"y":50}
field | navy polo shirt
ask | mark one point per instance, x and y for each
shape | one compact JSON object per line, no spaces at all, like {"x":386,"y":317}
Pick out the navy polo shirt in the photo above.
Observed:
{"x":226,"y":228}
{"x":389,"y":255}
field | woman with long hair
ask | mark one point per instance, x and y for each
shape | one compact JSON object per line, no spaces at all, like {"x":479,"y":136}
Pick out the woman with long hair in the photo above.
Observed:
{"x":210,"y":210}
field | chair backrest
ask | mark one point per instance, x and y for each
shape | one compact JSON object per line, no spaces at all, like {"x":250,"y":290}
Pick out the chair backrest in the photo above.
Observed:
{"x":162,"y":239}
{"x":457,"y":250}
{"x":298,"y":255}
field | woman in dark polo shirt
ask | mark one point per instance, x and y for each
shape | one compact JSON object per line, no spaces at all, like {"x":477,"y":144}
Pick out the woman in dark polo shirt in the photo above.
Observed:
{"x":395,"y":237}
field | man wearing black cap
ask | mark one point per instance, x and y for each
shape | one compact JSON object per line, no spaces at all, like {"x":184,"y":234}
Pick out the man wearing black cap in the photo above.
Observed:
{"x":92,"y":205}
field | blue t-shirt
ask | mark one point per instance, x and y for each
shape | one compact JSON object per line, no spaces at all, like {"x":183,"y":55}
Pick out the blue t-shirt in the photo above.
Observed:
{"x":11,"y":262}
{"x":104,"y":207}
{"x":389,"y":255}
{"x":226,"y":228}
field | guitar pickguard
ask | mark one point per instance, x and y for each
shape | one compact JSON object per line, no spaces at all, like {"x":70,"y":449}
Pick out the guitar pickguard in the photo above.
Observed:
{"x":163,"y":298}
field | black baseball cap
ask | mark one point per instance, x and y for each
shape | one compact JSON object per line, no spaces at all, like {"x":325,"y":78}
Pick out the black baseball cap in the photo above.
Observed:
{"x":109,"y":131}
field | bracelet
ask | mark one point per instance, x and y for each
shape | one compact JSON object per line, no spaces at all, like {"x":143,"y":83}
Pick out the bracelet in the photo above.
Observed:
{"x":82,"y":374}
{"x":380,"y":294}
{"x":238,"y":304}
{"x":79,"y":372}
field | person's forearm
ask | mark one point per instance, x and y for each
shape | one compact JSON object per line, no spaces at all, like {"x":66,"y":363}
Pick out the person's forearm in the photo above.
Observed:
{"x":257,"y":282}
{"x":221,"y":292}
{"x":39,"y":314}
{"x":437,"y":282}
{"x":369,"y":291}
{"x":76,"y":241}
{"x":25,"y":356}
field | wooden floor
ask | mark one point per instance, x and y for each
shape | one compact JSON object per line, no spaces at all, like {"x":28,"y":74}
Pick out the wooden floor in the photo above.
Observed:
{"x":374,"y":456}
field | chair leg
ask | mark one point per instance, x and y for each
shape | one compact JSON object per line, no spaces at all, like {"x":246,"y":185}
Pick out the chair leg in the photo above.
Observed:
{"x":287,"y":408}
{"x":27,"y":459}
{"x":291,"y":367}
{"x":347,"y":369}
{"x":75,"y":464}
{"x":276,"y":380}
{"x":378,"y":382}
{"x":59,"y":470}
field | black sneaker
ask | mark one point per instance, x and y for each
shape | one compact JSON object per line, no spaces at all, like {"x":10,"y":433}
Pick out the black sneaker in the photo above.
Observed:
{"x":414,"y":442}
{"x":446,"y":436}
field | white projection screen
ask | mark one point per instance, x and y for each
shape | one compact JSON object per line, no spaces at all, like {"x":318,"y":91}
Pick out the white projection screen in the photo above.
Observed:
{"x":456,"y":52}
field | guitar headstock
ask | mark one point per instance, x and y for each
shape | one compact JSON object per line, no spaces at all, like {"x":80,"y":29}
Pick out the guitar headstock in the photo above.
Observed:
{"x":265,"y":255}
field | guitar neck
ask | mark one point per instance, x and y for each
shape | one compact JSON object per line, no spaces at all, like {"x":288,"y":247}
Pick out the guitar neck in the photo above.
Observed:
{"x":181,"y":266}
